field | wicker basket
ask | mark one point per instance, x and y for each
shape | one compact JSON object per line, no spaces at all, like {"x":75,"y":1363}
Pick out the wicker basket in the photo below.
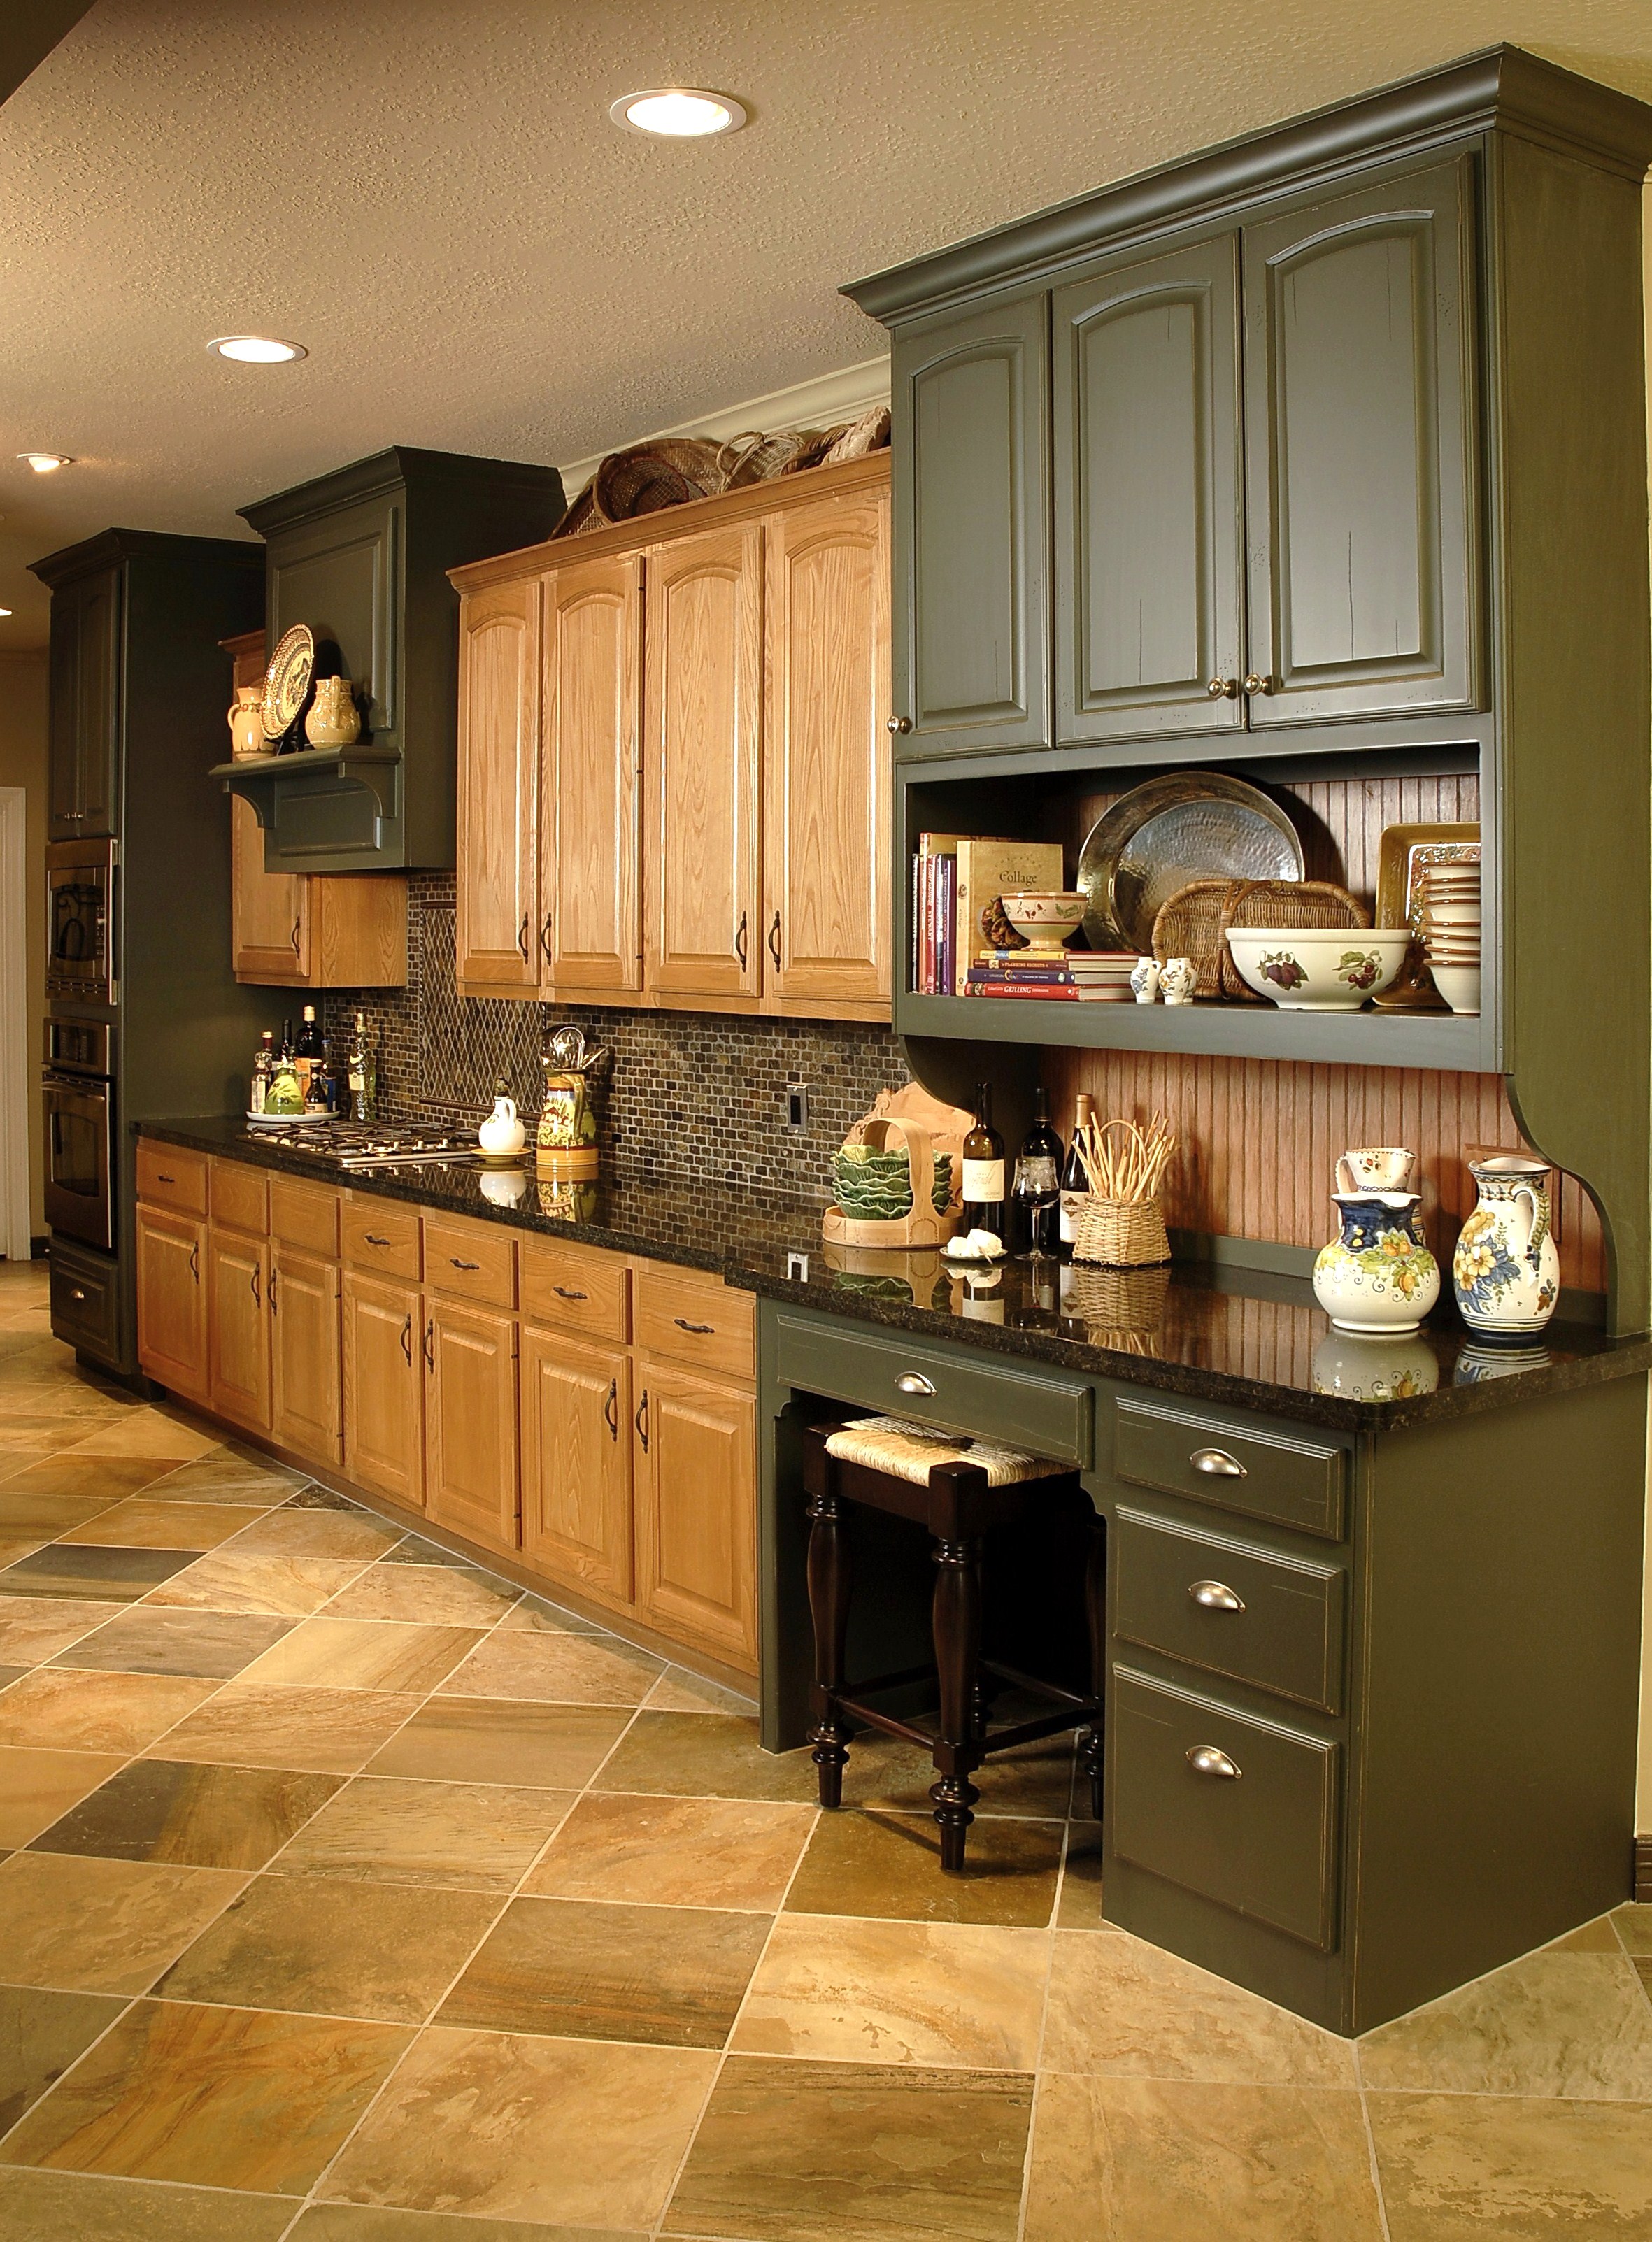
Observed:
{"x":755,"y":458}
{"x":1281,"y":903}
{"x":1188,"y":924}
{"x":1119,"y":1233}
{"x":668,"y":471}
{"x":583,"y":514}
{"x":1123,"y":1307}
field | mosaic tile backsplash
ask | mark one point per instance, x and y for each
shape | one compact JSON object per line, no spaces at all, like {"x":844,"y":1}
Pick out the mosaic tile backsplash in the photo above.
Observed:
{"x":693,"y":1094}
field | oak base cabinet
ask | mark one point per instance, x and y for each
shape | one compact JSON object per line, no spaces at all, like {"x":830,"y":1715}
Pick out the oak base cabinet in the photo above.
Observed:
{"x":576,"y":1463}
{"x":698,"y":1509}
{"x":470,"y":1422}
{"x":172,"y":1301}
{"x":238,"y":1328}
{"x":384,"y":1416}
{"x":306,"y":1357}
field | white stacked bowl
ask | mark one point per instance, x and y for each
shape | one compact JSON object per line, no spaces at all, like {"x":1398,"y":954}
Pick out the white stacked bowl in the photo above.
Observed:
{"x":1451,"y":932}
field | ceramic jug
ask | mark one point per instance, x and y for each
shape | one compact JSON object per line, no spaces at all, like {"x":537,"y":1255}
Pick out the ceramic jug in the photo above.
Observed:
{"x":502,"y":1135}
{"x":1378,"y":1278}
{"x":334,"y":721}
{"x":1506,"y":1270}
{"x":246,"y":723}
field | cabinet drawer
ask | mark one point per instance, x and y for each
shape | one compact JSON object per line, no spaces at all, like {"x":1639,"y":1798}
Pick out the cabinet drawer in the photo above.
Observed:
{"x":1272,"y":1621}
{"x":240,"y":1196}
{"x":1046,"y":1414}
{"x":578,"y":1287}
{"x":170,"y":1177}
{"x":304,"y":1216}
{"x":1273,"y":1475}
{"x":377,"y":1236}
{"x":86,"y":1311}
{"x":1261,"y":1837}
{"x":695,"y":1319}
{"x":476,"y":1264}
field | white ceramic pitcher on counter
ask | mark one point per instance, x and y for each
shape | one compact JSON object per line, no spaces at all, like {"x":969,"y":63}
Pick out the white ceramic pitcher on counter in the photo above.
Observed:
{"x":1506,"y":1270}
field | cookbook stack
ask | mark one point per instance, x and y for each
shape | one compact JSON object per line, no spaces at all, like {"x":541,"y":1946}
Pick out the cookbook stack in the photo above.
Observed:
{"x":1082,"y":976}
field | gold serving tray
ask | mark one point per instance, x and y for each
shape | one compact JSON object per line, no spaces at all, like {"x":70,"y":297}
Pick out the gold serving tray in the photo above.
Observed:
{"x":1404,"y":852}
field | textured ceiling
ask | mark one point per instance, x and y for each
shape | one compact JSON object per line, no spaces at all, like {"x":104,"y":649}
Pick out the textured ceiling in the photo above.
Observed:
{"x":428,"y":194}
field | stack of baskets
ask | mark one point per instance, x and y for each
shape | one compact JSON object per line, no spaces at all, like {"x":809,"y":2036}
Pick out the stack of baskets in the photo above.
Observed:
{"x":668,"y":471}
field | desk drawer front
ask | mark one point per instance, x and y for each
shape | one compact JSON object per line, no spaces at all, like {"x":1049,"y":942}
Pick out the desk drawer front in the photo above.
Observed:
{"x":476,"y":1264}
{"x":1048,"y":1415}
{"x":694,"y":1318}
{"x":1267,"y":1620}
{"x":1277,"y":1476}
{"x":167,"y":1176}
{"x":381,"y":1238}
{"x":1234,"y":1808}
{"x":578,"y":1288}
{"x":305,"y":1216}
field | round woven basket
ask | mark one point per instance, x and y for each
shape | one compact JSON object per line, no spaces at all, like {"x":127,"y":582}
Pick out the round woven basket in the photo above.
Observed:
{"x":1188,"y":924}
{"x":668,"y":471}
{"x":1123,"y":1307}
{"x":1280,"y":902}
{"x":1119,"y":1233}
{"x":755,"y":458}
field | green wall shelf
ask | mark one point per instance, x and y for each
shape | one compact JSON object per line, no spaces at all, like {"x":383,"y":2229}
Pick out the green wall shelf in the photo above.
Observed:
{"x":338,"y":798}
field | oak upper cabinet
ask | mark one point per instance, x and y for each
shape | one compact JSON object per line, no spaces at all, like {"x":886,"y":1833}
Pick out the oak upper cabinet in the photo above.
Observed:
{"x":1148,"y":523}
{"x":971,"y":404}
{"x":86,"y":661}
{"x":590,"y":933}
{"x":576,"y":1461}
{"x":697,"y":1446}
{"x":1360,"y":436}
{"x":172,"y":1300}
{"x":306,"y":1361}
{"x":238,"y":1328}
{"x":384,"y":1411}
{"x":702,"y":694}
{"x":470,"y":1422}
{"x":269,"y":911}
{"x":498,"y":700}
{"x":826,"y":776}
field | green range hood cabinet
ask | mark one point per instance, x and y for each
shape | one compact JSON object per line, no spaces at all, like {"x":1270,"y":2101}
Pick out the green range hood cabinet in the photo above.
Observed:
{"x":362,"y":556}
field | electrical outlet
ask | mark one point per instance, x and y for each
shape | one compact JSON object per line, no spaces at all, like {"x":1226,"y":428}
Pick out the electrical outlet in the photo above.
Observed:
{"x":796,"y":1268}
{"x":798,"y":1105}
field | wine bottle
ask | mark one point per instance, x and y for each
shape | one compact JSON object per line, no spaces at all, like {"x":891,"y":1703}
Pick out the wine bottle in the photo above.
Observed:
{"x":362,"y":1074}
{"x":262,"y":1066}
{"x":1038,"y":1183}
{"x":1075,"y":1184}
{"x":984,"y":1169}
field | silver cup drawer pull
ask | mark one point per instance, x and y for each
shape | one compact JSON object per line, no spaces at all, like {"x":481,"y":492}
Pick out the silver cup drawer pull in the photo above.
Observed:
{"x":913,"y":1382}
{"x":1216,"y":1463}
{"x":1216,"y":1595}
{"x":1206,"y":1759}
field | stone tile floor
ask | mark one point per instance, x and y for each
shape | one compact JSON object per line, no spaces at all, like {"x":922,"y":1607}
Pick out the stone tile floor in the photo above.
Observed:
{"x":348,"y":1894}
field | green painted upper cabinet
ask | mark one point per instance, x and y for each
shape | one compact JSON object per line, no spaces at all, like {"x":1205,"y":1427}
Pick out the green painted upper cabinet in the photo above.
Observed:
{"x":86,"y":707}
{"x":972,"y":533}
{"x":1360,"y":494}
{"x":1149,"y":523}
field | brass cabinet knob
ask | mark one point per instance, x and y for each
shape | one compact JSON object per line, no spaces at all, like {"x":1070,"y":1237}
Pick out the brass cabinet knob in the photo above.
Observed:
{"x":1255,"y":684}
{"x":1223,"y":688}
{"x":1216,"y":1463}
{"x":1206,"y":1759}
{"x":1215,"y":1596}
{"x":900,"y":724}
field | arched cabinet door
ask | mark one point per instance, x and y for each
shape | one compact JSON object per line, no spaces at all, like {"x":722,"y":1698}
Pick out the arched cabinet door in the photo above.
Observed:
{"x":1148,"y":514}
{"x":498,"y":883}
{"x":971,"y":468}
{"x":590,"y":933}
{"x":1361,"y":500}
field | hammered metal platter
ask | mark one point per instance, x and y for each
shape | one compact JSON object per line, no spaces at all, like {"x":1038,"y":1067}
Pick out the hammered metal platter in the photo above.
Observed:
{"x":1188,"y":825}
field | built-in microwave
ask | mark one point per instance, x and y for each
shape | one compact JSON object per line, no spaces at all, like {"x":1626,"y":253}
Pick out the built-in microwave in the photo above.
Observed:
{"x":80,"y":920}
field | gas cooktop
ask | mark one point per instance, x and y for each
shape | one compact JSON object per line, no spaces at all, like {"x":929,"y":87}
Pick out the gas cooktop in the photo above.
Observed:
{"x":372,"y":1144}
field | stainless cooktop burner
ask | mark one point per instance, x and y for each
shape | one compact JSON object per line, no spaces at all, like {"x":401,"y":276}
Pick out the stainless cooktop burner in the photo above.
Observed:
{"x":371,"y":1145}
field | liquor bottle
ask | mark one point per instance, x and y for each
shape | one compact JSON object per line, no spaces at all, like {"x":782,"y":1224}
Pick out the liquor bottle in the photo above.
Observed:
{"x":263,"y":1065}
{"x":1075,"y":1184}
{"x":1037,"y":1196}
{"x":308,"y":1052}
{"x":362,"y":1074}
{"x":285,"y":1095}
{"x":984,"y":1169}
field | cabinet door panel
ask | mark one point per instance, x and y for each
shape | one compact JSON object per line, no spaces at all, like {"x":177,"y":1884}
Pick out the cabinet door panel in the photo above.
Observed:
{"x":826,"y":932}
{"x":172,"y":1301}
{"x":306,"y":1359}
{"x":270,"y":913}
{"x":499,"y":684}
{"x":384,"y":1423}
{"x":576,"y":1461}
{"x":238,"y":1328}
{"x":697,"y":1511}
{"x":1360,"y":428}
{"x":702,"y":668}
{"x":97,"y":702}
{"x":470,"y":1422}
{"x":1149,"y":531}
{"x":63,"y":795}
{"x":591,"y":936}
{"x":972,"y":531}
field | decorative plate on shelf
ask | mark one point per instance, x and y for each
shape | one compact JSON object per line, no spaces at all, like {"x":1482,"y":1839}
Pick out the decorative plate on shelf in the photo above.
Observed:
{"x":288,"y":679}
{"x":1406,"y":852}
{"x":1186,"y":826}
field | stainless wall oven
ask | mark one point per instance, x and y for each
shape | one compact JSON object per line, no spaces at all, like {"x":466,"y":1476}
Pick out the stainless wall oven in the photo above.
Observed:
{"x":80,"y":920}
{"x":78,"y":1096}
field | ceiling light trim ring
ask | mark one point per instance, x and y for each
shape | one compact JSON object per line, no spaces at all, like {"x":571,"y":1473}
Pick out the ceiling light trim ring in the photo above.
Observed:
{"x":45,"y":463}
{"x":257,"y":350}
{"x":722,"y":114}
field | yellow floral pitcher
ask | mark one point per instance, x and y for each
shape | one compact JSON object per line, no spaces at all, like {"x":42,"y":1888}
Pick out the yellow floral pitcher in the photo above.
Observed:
{"x":1379,"y":1277}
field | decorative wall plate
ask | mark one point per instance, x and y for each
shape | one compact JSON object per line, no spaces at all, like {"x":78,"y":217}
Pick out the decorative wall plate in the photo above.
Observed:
{"x":1186,"y":826}
{"x":288,"y":679}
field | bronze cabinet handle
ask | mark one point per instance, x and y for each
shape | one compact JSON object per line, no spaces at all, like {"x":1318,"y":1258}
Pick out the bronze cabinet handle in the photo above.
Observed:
{"x":774,"y":939}
{"x":1206,"y":1759}
{"x":563,"y":1293}
{"x":740,"y":941}
{"x":1216,"y":1463}
{"x":611,"y":1409}
{"x":430,"y":1346}
{"x":700,"y":1331}
{"x":257,"y":1293}
{"x":371,"y":1238}
{"x":641,"y":1420}
{"x":406,"y":1338}
{"x":296,"y":923}
{"x":195,"y":1263}
{"x":521,"y":937}
{"x":898,"y":724}
{"x":1215,"y":1596}
{"x":545,"y":939}
{"x":275,"y":1273}
{"x":458,"y":1263}
{"x":164,"y":1179}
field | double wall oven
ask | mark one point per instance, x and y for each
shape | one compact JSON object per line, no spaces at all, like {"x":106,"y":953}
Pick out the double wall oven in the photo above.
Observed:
{"x":78,"y":1093}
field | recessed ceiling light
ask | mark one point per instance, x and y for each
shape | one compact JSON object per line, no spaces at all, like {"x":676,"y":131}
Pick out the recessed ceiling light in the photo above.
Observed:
{"x":4,"y":611}
{"x":256,"y":350}
{"x":678,"y":112}
{"x":46,"y":463}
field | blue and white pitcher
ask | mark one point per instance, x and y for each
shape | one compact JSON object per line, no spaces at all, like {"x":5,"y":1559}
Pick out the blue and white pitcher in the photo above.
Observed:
{"x":1378,"y":1278}
{"x":1506,"y":1271}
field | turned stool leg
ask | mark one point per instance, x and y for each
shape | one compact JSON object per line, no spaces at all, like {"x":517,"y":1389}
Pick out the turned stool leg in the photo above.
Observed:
{"x":1091,"y":1752}
{"x":958,"y":1653}
{"x":829,"y":1585}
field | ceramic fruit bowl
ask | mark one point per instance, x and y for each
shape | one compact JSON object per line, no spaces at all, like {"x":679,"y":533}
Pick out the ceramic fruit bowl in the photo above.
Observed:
{"x":1318,"y":968}
{"x":1458,"y":984}
{"x":1048,"y":920}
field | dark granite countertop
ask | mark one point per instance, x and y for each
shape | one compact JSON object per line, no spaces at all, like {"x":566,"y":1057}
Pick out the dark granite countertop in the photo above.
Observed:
{"x":1226,"y":1335}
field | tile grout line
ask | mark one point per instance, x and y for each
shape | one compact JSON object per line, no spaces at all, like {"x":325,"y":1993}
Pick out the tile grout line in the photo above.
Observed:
{"x":1372,"y":2158}
{"x":1043,"y":2027}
